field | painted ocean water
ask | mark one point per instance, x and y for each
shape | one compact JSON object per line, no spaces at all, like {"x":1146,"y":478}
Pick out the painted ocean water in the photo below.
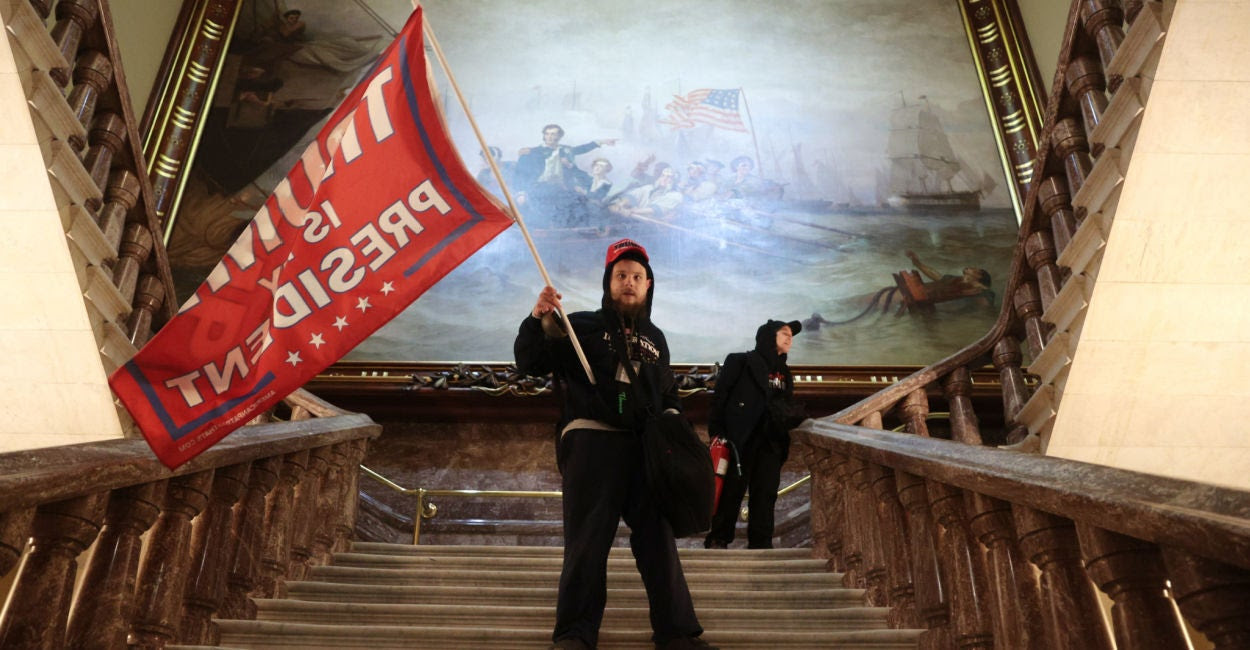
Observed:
{"x":718,"y":280}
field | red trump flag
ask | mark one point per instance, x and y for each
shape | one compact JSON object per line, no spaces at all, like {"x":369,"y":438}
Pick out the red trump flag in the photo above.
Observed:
{"x":377,"y":210}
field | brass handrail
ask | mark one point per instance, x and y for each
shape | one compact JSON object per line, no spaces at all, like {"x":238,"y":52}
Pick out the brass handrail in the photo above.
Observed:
{"x":427,"y":510}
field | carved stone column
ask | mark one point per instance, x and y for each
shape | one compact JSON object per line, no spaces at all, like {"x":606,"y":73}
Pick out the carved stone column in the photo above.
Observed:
{"x":1073,"y":148}
{"x":249,"y":536}
{"x":1040,"y":251}
{"x":1131,"y":572}
{"x":1070,"y":608}
{"x":958,"y":389}
{"x":349,"y":498}
{"x":1057,"y":204}
{"x":107,"y":135}
{"x":279,"y":514}
{"x":329,"y":504}
{"x":931,"y":586}
{"x":1007,"y":360}
{"x":162,"y":581}
{"x":826,"y":507}
{"x":1028,"y":304}
{"x":73,"y":19}
{"x":211,"y":555}
{"x":148,"y":300}
{"x":1012,"y":584}
{"x":1103,"y":21}
{"x":38,"y":606}
{"x":304,"y":519}
{"x":1213,"y":596}
{"x":914,"y":410}
{"x":1085,"y":81}
{"x":875,"y":574}
{"x":970,"y":613}
{"x":892,"y":521}
{"x":852,"y":526}
{"x":101,"y":619}
{"x":14,"y":531}
{"x":92,"y":76}
{"x":119,"y":200}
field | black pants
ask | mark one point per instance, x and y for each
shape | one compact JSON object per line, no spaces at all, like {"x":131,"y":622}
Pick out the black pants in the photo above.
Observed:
{"x":603,"y":480}
{"x":762,"y":458}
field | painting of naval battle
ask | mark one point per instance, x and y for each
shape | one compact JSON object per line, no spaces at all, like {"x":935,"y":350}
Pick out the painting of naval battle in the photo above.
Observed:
{"x":827,"y":161}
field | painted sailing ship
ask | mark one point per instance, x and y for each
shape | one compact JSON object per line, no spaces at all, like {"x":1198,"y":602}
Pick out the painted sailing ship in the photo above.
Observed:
{"x":923,"y":169}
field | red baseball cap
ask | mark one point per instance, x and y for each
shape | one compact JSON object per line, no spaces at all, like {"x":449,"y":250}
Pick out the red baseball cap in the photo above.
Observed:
{"x":615,"y":251}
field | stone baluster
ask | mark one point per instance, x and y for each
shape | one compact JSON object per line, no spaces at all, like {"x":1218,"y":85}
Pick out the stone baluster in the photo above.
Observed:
{"x":970,"y":612}
{"x":279,"y":515}
{"x":1039,"y":249}
{"x":92,"y":76}
{"x":1086,"y":83}
{"x":1073,"y":148}
{"x":211,"y":550}
{"x":1012,"y":584}
{"x":349,"y":497}
{"x":1071,"y":612}
{"x":958,"y":389}
{"x":147,"y":302}
{"x":38,"y":606}
{"x":307,"y":494}
{"x":1213,"y":596}
{"x":875,"y":573}
{"x":914,"y":410}
{"x":163,"y":577}
{"x":1104,"y":20}
{"x":852,"y":528}
{"x":108,"y":135}
{"x":1007,"y":360}
{"x":249,"y":539}
{"x":1028,"y":304}
{"x":14,"y":531}
{"x":1057,"y":204}
{"x":135,"y":247}
{"x":932,"y":601}
{"x":1132,"y":574}
{"x":120,"y":197}
{"x":328,"y":504}
{"x":892,"y":521}
{"x":827,"y":531}
{"x":105,"y":603}
{"x":73,"y":19}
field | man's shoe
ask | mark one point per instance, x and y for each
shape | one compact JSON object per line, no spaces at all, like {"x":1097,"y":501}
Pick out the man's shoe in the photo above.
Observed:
{"x":714,"y":543}
{"x":570,"y":644}
{"x":686,"y":643}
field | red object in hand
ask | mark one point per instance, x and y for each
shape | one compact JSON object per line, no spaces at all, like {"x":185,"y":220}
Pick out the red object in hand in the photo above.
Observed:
{"x":720,"y":465}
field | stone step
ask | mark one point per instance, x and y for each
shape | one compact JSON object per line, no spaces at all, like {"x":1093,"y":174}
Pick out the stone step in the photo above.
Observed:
{"x":382,"y":548}
{"x":708,"y":596}
{"x":542,"y":616}
{"x":690,"y":564}
{"x":622,"y":577}
{"x":269,"y":635}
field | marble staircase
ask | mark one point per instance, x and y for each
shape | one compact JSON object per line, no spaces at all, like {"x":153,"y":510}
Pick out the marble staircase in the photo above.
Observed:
{"x":381,"y":596}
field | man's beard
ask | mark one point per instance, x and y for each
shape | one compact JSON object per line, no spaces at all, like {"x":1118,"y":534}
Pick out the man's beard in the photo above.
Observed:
{"x":630,"y":311}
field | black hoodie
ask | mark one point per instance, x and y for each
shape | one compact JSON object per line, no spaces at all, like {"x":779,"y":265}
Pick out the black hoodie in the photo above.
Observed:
{"x":745,"y":385}
{"x":609,"y":402}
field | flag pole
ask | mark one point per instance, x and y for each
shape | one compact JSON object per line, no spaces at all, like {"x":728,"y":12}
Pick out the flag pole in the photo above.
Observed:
{"x":758,"y":161}
{"x":516,"y":213}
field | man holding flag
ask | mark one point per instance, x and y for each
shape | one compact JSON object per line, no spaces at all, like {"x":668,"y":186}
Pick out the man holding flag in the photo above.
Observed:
{"x":378,"y":209}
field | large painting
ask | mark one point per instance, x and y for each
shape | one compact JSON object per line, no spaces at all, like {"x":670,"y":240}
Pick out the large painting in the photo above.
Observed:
{"x":829,"y":161}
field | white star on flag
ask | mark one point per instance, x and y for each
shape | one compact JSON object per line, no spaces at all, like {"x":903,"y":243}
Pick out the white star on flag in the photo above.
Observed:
{"x":388,"y":287}
{"x":316,"y":341}
{"x":293,"y":358}
{"x":339,"y":323}
{"x":363,"y":305}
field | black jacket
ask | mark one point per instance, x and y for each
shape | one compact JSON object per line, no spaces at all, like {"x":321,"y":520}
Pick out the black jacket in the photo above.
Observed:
{"x":740,"y":401}
{"x":537,"y":354}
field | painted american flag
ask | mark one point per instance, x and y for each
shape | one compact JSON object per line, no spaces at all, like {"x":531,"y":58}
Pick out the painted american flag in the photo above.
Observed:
{"x":706,"y":106}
